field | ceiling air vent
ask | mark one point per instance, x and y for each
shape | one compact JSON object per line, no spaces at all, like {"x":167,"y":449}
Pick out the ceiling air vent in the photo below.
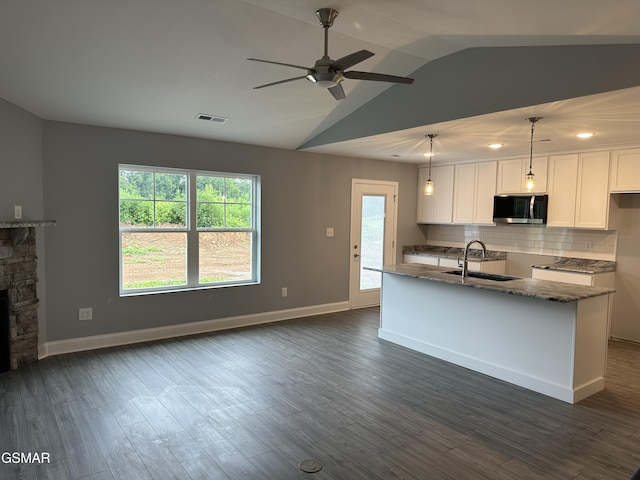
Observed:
{"x":211,"y":118}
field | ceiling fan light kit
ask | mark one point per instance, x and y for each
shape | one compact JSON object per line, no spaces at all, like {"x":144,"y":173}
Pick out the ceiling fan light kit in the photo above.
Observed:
{"x":328,"y":73}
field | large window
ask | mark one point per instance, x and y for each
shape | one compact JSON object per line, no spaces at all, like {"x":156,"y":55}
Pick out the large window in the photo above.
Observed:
{"x":183,"y":229}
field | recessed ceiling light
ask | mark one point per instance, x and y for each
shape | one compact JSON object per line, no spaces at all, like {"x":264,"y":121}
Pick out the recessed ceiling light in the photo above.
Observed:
{"x":585,"y":135}
{"x":496,"y":146}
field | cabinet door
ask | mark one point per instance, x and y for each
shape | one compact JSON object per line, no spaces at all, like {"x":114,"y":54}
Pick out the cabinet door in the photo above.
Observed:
{"x":539,"y":169}
{"x":464,"y":193}
{"x":423,"y":259}
{"x":510,"y":176}
{"x":625,"y":170}
{"x":558,"y":276}
{"x":512,"y":173}
{"x":592,"y":195}
{"x":426,"y":203}
{"x":562,"y":190}
{"x":443,"y":185}
{"x":436,"y":208}
{"x":485,"y":189}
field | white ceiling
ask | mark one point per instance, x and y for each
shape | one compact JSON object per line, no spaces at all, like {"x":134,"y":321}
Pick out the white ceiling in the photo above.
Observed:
{"x":153,"y":65}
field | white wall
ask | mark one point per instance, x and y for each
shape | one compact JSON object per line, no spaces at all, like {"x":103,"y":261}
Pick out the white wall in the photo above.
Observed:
{"x":625,"y":322}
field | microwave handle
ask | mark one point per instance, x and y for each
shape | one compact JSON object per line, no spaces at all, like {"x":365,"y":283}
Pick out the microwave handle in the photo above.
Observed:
{"x":531,"y":203}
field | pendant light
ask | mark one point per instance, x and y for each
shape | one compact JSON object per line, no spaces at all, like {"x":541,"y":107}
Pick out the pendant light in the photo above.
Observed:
{"x":428,"y":185}
{"x":530,"y":179}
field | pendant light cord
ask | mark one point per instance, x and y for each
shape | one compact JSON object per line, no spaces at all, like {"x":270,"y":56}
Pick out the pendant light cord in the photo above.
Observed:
{"x":533,"y":121}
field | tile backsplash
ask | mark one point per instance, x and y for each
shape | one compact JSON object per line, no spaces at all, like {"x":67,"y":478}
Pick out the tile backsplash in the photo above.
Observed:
{"x":564,"y":242}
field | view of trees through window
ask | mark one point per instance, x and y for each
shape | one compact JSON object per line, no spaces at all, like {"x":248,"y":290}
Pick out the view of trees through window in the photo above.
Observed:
{"x":155,"y":227}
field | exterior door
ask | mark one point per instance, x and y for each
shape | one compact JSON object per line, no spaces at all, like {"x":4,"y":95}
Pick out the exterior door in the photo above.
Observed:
{"x":373,"y":238}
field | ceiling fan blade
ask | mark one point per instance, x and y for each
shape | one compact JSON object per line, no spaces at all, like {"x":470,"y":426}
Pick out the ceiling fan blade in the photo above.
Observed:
{"x":337,"y":92}
{"x":350,"y":60}
{"x":279,"y":82}
{"x":279,"y":63}
{"x":377,"y":77}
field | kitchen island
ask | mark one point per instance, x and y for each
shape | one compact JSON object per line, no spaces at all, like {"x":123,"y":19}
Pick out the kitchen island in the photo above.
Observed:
{"x":550,"y":337}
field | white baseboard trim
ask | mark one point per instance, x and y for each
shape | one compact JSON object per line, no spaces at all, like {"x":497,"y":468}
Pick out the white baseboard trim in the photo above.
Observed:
{"x":71,"y":345}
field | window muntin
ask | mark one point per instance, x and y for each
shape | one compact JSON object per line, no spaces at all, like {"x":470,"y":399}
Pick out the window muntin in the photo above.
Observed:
{"x":153,"y":199}
{"x":218,"y":219}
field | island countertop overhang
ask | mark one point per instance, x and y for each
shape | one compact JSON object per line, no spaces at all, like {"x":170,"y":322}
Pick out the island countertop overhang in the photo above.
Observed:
{"x":525,"y":287}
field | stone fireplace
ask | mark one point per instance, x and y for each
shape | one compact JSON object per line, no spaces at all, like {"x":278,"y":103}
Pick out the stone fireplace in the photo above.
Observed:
{"x":18,"y":279}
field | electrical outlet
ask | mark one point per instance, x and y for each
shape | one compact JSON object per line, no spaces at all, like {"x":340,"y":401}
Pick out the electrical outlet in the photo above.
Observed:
{"x":284,"y":291}
{"x":17,"y":212}
{"x":588,"y":244}
{"x":85,"y":313}
{"x":329,"y":231}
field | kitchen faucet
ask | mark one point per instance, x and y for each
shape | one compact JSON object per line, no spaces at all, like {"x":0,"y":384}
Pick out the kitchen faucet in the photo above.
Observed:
{"x":465,"y":273}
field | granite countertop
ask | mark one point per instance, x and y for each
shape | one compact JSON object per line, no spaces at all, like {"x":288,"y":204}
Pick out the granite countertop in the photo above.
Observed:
{"x":525,"y":287}
{"x":579,"y":265}
{"x":475,"y":254}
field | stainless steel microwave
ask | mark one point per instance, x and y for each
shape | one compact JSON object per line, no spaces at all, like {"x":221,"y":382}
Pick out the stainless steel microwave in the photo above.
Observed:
{"x":520,"y":209}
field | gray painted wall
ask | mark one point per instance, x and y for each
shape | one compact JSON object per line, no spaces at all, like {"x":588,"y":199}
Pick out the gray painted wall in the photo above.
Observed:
{"x":484,"y":80}
{"x":20,"y":162}
{"x":21,"y":181}
{"x":302,"y":195}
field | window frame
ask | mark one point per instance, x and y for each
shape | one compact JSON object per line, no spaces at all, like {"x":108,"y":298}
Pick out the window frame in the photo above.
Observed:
{"x":192,"y":231}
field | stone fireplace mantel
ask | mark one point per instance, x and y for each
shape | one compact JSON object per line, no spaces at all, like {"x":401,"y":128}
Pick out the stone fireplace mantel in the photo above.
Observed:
{"x":18,"y":261}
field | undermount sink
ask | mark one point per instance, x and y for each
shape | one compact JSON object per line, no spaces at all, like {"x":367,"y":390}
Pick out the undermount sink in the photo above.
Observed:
{"x":485,"y":276}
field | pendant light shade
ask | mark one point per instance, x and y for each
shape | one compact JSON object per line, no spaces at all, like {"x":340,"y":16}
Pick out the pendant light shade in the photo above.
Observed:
{"x":530,"y":178}
{"x":428,"y":185}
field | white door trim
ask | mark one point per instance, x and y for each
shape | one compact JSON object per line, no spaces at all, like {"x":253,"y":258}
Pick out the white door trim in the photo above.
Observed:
{"x":358,"y":188}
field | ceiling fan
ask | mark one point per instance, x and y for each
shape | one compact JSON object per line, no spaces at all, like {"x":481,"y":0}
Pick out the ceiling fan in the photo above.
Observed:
{"x":328,"y":73}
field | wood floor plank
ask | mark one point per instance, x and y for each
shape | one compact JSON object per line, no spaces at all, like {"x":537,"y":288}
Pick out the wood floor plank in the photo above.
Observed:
{"x":234,"y":464}
{"x":252,"y":402}
{"x":196,"y":462}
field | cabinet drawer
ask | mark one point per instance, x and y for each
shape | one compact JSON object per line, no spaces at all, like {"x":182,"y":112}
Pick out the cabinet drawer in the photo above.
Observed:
{"x":567,"y":277}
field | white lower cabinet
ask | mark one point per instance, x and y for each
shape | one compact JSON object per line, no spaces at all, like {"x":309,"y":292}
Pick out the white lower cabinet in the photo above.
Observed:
{"x":423,"y":259}
{"x":492,"y":266}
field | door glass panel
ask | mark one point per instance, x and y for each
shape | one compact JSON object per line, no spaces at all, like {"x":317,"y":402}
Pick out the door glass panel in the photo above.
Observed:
{"x":372,"y":240}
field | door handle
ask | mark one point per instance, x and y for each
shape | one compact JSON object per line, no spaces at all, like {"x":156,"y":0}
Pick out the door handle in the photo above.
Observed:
{"x":356,"y":255}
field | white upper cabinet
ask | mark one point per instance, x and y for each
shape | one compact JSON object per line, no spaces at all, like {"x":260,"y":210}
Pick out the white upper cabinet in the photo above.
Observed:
{"x":625,"y":170}
{"x":592,"y":192}
{"x":578,"y":191}
{"x":511,"y":175}
{"x":563,"y":171}
{"x":484,"y":192}
{"x":474,"y":188}
{"x":464,"y":193}
{"x":436,"y":208}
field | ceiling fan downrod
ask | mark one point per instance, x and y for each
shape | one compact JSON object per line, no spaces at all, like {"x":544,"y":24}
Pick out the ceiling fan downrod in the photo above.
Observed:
{"x":326,"y":17}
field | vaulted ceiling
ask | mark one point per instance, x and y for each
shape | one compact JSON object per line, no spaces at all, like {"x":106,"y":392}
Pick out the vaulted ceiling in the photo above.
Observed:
{"x":480,"y":69}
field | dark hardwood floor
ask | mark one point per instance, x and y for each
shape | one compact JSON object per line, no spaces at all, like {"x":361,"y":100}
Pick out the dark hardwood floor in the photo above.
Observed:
{"x":252,"y":403}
